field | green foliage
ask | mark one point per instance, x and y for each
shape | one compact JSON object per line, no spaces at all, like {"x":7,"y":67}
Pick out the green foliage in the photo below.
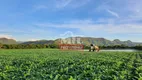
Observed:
{"x":1,"y":45}
{"x":24,"y":46}
{"x":41,"y":46}
{"x":49,"y":64}
{"x":138,"y":47}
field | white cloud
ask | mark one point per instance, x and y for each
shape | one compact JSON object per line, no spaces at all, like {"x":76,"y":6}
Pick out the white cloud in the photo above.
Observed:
{"x":6,"y":36}
{"x":125,"y":29}
{"x":113,"y":13}
{"x":33,"y":39}
{"x":62,"y":3}
{"x":124,"y":9}
{"x":56,"y":5}
{"x":31,"y":30}
{"x":92,"y":27}
{"x":69,"y":34}
{"x":80,"y":25}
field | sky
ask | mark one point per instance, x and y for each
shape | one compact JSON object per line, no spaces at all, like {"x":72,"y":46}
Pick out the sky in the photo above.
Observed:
{"x":25,"y":20}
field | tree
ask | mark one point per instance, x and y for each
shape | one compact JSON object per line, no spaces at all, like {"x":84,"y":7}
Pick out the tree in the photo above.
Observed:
{"x":5,"y":46}
{"x":1,"y":45}
{"x":45,"y":45}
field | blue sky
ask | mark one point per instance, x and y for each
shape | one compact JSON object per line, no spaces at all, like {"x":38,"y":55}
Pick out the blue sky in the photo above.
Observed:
{"x":25,"y":20}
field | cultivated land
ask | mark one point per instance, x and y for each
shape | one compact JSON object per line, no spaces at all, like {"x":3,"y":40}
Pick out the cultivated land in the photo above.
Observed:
{"x":48,"y":64}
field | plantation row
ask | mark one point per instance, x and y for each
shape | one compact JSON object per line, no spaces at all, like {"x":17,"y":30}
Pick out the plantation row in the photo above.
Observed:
{"x":69,"y":65}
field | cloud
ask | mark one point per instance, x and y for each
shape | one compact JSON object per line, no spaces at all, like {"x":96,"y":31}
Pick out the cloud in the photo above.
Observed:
{"x":124,"y":8}
{"x":69,"y":34}
{"x":113,"y":13}
{"x":57,"y":5}
{"x":33,"y":39}
{"x":53,"y":5}
{"x":77,"y":24}
{"x":62,"y":3}
{"x":6,"y":36}
{"x":90,"y":26}
{"x":10,"y":31}
{"x":31,"y":30}
{"x":71,"y":4}
{"x":125,"y":29}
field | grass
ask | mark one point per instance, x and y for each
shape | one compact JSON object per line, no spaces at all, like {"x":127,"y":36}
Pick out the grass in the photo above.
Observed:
{"x":49,"y":64}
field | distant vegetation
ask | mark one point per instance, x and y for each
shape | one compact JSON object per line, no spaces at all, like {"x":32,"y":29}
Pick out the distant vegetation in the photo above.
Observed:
{"x":41,"y":46}
{"x":27,"y":46}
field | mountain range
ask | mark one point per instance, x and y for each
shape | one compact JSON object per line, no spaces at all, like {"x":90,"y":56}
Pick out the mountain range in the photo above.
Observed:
{"x":83,"y":40}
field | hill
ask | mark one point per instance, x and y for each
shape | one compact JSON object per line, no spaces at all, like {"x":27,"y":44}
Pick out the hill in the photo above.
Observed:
{"x":39,"y":42}
{"x":101,"y":41}
{"x":83,"y":40}
{"x":7,"y":41}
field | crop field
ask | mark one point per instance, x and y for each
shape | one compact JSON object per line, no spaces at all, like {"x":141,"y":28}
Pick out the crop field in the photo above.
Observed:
{"x":45,"y":64}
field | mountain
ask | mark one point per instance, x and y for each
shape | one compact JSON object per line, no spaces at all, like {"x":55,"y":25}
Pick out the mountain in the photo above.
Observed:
{"x":7,"y":41}
{"x":82,"y":40}
{"x":96,"y":41}
{"x":105,"y":42}
{"x":86,"y":41}
{"x":101,"y":41}
{"x":39,"y":42}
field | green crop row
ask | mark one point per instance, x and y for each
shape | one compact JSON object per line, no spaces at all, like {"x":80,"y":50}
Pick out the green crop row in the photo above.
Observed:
{"x":44,"y":64}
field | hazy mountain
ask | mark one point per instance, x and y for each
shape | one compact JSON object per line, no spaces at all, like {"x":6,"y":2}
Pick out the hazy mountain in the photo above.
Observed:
{"x":82,"y":40}
{"x":39,"y":42}
{"x":7,"y":41}
{"x":96,"y":41}
{"x":102,"y":41}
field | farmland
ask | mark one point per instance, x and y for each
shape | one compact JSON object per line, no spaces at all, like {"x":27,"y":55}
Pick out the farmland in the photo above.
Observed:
{"x":40,"y":64}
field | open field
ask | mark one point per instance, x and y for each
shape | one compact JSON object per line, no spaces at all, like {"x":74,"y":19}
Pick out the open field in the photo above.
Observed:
{"x":40,"y":64}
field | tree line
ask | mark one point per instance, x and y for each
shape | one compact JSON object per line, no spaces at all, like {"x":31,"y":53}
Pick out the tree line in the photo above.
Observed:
{"x":40,"y":46}
{"x":138,"y":47}
{"x":27,"y":46}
